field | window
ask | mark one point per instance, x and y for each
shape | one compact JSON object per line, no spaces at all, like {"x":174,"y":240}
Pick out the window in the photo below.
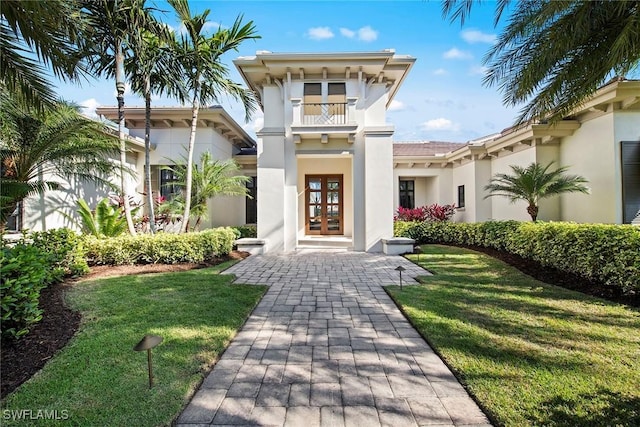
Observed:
{"x":168,"y":188}
{"x":251,"y":206}
{"x":630,"y":153}
{"x":407,"y":194}
{"x":460,"y":196}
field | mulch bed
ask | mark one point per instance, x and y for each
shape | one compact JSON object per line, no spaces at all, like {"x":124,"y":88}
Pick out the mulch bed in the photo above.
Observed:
{"x":27,"y":356}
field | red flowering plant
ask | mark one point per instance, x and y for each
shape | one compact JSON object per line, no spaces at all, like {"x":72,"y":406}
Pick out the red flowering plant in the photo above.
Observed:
{"x":430,"y":213}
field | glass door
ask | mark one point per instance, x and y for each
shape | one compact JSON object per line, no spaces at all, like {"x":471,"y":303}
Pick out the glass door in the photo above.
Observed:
{"x":324,"y":204}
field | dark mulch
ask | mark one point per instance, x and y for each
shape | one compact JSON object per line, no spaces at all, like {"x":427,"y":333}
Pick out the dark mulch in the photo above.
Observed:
{"x":20,"y":360}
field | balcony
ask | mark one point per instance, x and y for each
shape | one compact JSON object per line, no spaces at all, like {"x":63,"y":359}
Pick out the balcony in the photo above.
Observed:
{"x":315,"y":114}
{"x":323,"y":120}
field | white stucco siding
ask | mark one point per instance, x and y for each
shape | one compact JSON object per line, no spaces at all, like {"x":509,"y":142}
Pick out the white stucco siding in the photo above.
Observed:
{"x":378,"y":182}
{"x":501,"y":207}
{"x":374,"y":105}
{"x":432,"y":185}
{"x":326,"y":166}
{"x":56,"y":209}
{"x":225,"y":211}
{"x":591,"y":152}
{"x":172,"y":143}
{"x":626,"y":128}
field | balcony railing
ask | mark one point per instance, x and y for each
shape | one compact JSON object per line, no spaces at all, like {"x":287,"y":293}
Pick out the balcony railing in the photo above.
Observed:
{"x":324,"y":113}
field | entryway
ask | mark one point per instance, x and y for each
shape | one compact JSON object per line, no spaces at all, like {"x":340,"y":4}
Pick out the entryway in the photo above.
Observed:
{"x":324,"y":205}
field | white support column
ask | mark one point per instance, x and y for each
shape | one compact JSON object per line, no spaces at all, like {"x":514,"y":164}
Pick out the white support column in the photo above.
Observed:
{"x":296,"y":105}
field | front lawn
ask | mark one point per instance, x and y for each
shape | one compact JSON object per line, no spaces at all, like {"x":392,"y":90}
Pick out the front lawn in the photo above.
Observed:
{"x":530,"y":353}
{"x":97,"y":379}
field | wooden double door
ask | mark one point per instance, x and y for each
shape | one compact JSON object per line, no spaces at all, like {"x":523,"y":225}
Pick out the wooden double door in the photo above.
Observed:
{"x":323,"y":195}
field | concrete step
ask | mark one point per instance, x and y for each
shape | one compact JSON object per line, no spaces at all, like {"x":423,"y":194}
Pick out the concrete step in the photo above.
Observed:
{"x":325,"y":242}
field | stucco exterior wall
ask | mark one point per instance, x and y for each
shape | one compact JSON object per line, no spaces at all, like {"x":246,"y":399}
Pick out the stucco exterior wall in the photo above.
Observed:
{"x":56,"y":209}
{"x":501,"y":207}
{"x":432,"y":185}
{"x":591,"y":152}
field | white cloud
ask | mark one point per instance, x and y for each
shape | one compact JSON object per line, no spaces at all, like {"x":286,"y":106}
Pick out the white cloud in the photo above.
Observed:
{"x":455,"y":53}
{"x":367,"y":34}
{"x":440,"y":124}
{"x":476,"y":36}
{"x":440,"y":72}
{"x":320,"y":33}
{"x":208,"y":28}
{"x":396,"y":106}
{"x":347,"y":33}
{"x":478,"y":70}
{"x":89,"y":107}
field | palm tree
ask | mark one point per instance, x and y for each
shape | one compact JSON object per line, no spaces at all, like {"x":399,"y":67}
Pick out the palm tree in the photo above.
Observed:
{"x":533,"y":183}
{"x":212,"y":178}
{"x":112,"y":27}
{"x":555,"y":54}
{"x":204,"y":75}
{"x":150,"y":70}
{"x":52,"y":38}
{"x":59,"y":142}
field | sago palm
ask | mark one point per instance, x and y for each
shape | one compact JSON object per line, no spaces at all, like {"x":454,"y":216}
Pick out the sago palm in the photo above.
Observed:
{"x":533,"y":183}
{"x":205,"y":77}
{"x":37,"y":147}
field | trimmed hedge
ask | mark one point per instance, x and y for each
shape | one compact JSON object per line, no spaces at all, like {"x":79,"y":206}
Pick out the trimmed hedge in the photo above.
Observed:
{"x":65,"y":249}
{"x":246,"y":231}
{"x":164,"y":248}
{"x":609,"y":254}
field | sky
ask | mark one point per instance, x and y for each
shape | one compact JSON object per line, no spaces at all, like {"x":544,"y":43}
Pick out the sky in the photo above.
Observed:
{"x":442,"y":99}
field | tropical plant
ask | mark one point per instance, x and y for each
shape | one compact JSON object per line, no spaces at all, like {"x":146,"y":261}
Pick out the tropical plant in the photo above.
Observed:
{"x":555,"y":54}
{"x":113,"y":28}
{"x":35,"y":148}
{"x":150,"y":70}
{"x":434,"y":212}
{"x":205,"y":77}
{"x":533,"y":183}
{"x":35,"y":35}
{"x":212,"y":178}
{"x":105,"y":221}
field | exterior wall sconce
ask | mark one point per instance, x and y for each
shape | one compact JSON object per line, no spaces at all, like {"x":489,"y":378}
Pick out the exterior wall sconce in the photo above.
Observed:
{"x":400,"y":269}
{"x":147,"y":343}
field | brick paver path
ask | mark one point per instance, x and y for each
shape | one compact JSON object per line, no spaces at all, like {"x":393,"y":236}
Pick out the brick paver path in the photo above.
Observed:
{"x":326,"y":346}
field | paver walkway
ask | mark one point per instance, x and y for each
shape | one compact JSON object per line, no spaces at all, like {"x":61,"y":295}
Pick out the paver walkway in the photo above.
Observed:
{"x":326,"y":346}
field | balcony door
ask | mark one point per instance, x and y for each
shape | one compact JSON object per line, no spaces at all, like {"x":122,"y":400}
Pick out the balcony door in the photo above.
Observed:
{"x":323,"y":204}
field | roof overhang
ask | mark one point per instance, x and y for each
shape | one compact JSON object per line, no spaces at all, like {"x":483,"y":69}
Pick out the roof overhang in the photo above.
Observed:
{"x":382,"y":66}
{"x":180,"y":117}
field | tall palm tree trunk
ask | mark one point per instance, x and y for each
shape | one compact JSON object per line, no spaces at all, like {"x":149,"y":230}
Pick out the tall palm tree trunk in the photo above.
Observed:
{"x":147,"y":156}
{"x":195,"y":108}
{"x":123,"y":148}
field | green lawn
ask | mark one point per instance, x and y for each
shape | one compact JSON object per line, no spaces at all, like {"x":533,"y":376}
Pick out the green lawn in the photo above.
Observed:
{"x":531,"y":353}
{"x":99,"y":380}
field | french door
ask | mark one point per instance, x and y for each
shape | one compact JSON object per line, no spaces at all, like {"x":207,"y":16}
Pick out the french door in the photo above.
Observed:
{"x":323,"y":204}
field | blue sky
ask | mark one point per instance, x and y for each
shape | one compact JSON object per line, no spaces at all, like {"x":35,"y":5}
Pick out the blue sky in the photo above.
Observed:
{"x":442,"y":99}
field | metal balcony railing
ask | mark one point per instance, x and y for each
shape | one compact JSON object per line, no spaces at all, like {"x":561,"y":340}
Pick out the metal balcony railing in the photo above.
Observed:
{"x":324,"y":113}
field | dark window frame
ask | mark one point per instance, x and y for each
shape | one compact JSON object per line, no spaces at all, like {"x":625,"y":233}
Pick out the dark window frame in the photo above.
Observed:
{"x":461,"y":197}
{"x":407,"y":193}
{"x":167,"y":177}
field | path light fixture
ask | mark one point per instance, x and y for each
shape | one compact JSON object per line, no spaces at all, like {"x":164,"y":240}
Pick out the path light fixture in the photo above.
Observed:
{"x":400,"y":269}
{"x":147,"y":343}
{"x":417,"y":250}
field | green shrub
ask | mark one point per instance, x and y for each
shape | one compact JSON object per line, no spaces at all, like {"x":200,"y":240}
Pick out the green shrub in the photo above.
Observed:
{"x":246,"y":231}
{"x":65,"y":250}
{"x":163,"y":248}
{"x":609,"y":254}
{"x":24,"y":272}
